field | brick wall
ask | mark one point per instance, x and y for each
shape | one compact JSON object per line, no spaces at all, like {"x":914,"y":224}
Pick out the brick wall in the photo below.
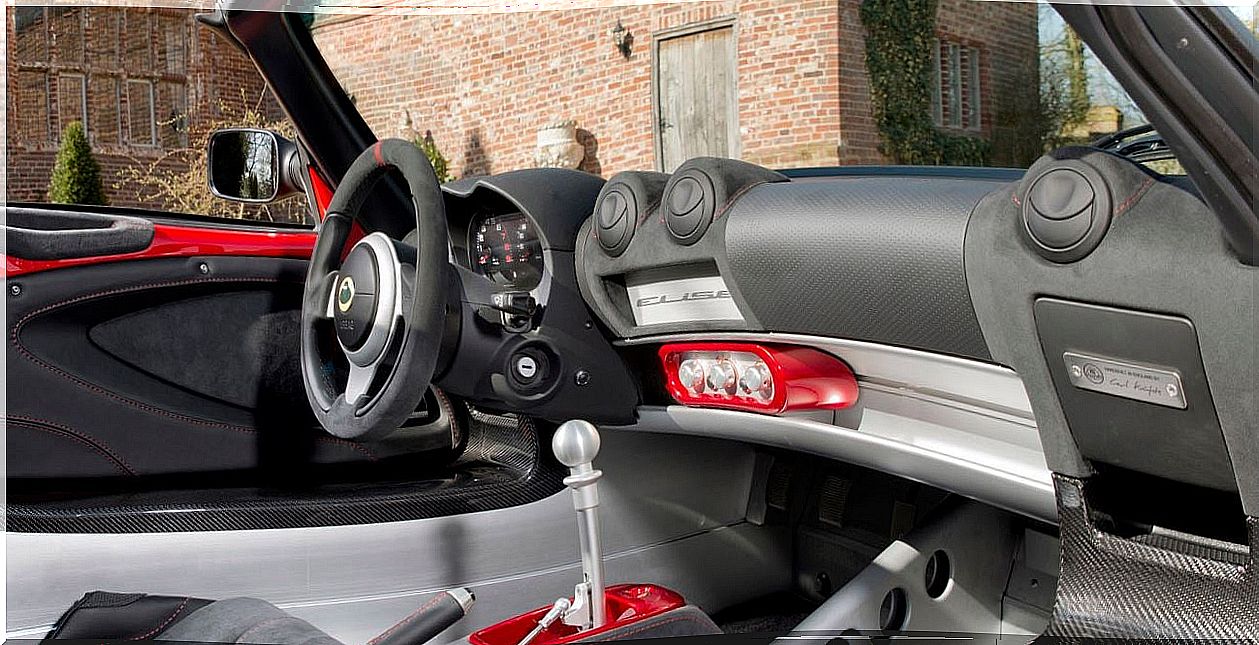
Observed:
{"x":484,"y":84}
{"x":1006,"y":34}
{"x":192,"y":71}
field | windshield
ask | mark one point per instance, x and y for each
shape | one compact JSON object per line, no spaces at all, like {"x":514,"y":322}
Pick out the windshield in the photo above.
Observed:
{"x":781,"y":84}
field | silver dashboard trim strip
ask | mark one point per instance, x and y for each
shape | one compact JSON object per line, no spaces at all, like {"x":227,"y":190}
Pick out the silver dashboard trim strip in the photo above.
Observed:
{"x":903,"y":440}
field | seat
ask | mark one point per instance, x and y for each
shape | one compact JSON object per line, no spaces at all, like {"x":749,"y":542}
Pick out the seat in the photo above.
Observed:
{"x":102,"y":615}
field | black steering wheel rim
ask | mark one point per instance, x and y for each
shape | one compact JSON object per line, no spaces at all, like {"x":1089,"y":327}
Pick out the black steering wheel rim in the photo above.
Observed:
{"x":408,"y":291}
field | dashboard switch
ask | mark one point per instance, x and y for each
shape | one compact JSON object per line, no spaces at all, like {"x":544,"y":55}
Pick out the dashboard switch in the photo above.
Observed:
{"x":517,"y":309}
{"x":517,"y":303}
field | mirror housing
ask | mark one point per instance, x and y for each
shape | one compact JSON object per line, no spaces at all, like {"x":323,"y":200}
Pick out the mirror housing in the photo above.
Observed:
{"x":253,"y":166}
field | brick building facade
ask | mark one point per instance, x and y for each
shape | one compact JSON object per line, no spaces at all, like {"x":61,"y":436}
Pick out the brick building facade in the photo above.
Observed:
{"x":140,"y":79}
{"x":484,"y":84}
{"x":792,"y":72}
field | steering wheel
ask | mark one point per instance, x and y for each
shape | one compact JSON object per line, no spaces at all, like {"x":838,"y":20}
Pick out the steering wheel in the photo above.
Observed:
{"x":386,"y":302}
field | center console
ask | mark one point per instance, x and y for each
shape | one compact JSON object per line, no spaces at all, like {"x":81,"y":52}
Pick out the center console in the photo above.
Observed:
{"x":595,"y":611}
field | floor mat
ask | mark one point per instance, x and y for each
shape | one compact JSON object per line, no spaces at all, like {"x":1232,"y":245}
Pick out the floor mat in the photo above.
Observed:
{"x":776,"y":614}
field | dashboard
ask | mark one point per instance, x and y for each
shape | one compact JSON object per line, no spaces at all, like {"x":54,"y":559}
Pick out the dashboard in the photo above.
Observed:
{"x":943,"y":289}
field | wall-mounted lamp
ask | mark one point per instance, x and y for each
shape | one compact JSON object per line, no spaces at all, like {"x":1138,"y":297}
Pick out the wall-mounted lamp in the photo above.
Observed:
{"x":623,"y":39}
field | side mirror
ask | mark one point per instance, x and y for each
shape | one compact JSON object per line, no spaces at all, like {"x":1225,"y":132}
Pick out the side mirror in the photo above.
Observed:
{"x":253,"y":166}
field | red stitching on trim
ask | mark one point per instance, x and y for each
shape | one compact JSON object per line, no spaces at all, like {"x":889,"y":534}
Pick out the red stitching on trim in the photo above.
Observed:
{"x":645,"y":628}
{"x":17,"y":343}
{"x":273,"y":619}
{"x":164,"y":624}
{"x":56,"y":428}
{"x":729,"y":205}
{"x":409,"y":618}
{"x":449,"y":410}
{"x":652,"y":208}
{"x":1132,"y":199}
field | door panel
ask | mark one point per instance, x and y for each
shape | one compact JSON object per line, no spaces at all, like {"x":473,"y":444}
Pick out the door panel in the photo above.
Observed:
{"x":158,"y":367}
{"x":175,"y":354}
{"x":698,"y":102}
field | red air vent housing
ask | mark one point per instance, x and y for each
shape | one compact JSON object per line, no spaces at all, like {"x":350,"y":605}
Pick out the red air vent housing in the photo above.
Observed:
{"x":770,"y":379}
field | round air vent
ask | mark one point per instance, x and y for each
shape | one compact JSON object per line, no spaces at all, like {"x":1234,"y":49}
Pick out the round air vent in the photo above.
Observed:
{"x":1066,"y":211}
{"x":616,"y":217}
{"x":689,"y":205}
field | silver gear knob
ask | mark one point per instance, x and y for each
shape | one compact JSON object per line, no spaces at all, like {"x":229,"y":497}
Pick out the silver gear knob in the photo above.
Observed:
{"x":576,"y":443}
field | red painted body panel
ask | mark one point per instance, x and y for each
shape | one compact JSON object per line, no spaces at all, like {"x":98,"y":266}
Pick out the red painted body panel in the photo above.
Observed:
{"x":323,"y":194}
{"x":627,"y":604}
{"x":173,"y":240}
{"x":804,"y":378}
{"x":184,"y":241}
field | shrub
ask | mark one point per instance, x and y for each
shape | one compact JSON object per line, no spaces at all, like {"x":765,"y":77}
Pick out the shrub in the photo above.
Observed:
{"x":76,"y":177}
{"x":177,"y":180}
{"x":441,"y":166}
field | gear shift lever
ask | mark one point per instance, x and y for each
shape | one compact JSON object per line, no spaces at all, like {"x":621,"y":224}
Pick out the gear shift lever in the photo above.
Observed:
{"x":576,"y":444}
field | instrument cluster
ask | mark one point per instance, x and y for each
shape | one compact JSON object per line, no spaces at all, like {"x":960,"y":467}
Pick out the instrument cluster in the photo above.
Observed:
{"x":506,"y":249}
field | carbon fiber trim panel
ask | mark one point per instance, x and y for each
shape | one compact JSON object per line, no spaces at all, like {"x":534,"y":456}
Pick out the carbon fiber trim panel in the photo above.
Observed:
{"x":1115,"y":587}
{"x":871,"y":258}
{"x":503,"y":465}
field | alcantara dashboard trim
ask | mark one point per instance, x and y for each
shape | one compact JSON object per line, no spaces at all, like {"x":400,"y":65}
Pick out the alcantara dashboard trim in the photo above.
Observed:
{"x":957,"y":424}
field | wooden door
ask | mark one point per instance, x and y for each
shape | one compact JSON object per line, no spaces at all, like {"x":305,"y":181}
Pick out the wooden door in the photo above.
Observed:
{"x":697,"y":100}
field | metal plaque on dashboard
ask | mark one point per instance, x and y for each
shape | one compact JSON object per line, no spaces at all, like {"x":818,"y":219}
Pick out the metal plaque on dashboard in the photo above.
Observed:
{"x":1136,"y":382}
{"x":679,"y":300}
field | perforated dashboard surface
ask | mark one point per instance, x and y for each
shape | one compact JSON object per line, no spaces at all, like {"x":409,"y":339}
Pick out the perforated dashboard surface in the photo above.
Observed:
{"x":869,"y":258}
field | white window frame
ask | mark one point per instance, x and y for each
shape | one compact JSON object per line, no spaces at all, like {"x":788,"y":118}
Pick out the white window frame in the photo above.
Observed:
{"x":152,"y":118}
{"x":61,"y":127}
{"x":974,"y":85}
{"x":116,"y":82}
{"x":937,"y":85}
{"x":955,"y":85}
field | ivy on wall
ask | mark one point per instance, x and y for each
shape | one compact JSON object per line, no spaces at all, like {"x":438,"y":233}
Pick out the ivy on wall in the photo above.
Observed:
{"x":900,"y":35}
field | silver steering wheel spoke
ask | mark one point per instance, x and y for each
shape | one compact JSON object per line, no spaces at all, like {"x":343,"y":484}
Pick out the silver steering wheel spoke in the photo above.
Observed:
{"x":360,"y":381}
{"x":365,"y":306}
{"x":330,"y":285}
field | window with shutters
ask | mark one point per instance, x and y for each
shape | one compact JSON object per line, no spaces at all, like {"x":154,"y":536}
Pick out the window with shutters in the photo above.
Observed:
{"x":957,"y":97}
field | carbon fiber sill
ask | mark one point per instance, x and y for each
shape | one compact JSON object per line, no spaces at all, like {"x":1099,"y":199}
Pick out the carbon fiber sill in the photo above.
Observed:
{"x":1166,"y":589}
{"x":503,"y":465}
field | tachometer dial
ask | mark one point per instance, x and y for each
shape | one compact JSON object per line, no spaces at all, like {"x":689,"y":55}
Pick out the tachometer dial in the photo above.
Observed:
{"x":506,"y":249}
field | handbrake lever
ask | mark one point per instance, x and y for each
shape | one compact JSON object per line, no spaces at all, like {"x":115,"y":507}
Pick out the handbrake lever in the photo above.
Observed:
{"x":439,"y":613}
